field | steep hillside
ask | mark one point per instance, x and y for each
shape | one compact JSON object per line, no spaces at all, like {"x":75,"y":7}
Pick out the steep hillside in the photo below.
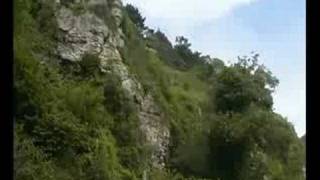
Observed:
{"x":99,"y":95}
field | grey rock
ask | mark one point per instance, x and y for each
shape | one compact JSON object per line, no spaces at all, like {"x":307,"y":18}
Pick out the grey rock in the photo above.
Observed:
{"x":87,"y":33}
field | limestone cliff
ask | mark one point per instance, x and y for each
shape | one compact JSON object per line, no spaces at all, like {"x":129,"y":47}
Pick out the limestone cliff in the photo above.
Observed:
{"x":93,"y":26}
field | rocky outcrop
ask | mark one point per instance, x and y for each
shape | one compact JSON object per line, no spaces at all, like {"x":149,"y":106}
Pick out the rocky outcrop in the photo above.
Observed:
{"x":87,"y":32}
{"x":157,"y":133}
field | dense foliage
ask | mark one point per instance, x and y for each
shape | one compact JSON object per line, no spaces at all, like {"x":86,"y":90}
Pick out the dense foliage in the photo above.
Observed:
{"x":136,"y":17}
{"x":73,"y":122}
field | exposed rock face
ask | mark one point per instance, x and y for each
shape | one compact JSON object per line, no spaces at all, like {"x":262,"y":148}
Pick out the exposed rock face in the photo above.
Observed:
{"x":81,"y":34}
{"x":87,"y":33}
{"x":157,"y":134}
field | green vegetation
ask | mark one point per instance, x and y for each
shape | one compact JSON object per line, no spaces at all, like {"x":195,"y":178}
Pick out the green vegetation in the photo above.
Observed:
{"x":73,"y":122}
{"x":159,"y":42}
{"x":136,"y":17}
{"x":89,"y":64}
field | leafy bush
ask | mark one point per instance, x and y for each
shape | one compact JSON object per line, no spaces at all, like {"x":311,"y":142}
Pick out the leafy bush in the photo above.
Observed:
{"x":242,"y":84}
{"x":165,"y":51}
{"x":29,"y":162}
{"x":89,"y":64}
{"x":182,"y":47}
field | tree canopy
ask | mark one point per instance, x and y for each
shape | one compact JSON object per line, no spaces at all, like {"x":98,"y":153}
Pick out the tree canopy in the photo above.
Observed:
{"x":136,"y":16}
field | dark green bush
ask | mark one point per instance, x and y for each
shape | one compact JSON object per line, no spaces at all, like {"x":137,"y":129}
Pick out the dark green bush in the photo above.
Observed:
{"x":165,"y":51}
{"x":29,"y":162}
{"x":89,"y":64}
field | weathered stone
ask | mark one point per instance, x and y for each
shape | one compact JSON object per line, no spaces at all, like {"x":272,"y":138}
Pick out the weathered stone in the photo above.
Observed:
{"x":87,"y":33}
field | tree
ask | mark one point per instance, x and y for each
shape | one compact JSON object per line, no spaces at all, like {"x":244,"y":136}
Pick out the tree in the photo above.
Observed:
{"x":159,"y":42}
{"x":182,"y":42}
{"x":162,"y":37}
{"x":253,"y":145}
{"x":190,"y":58}
{"x":136,"y":17}
{"x":243,"y":84}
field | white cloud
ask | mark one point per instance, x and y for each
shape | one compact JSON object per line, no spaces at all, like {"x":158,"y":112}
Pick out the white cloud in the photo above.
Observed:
{"x":191,"y":9}
{"x":182,"y":17}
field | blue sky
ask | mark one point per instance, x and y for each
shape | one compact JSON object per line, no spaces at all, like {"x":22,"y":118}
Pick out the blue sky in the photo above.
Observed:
{"x":229,"y":28}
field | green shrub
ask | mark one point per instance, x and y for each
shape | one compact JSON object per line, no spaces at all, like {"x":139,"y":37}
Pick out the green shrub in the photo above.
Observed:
{"x":165,"y":51}
{"x":29,"y":162}
{"x":103,"y":163}
{"x":89,"y":64}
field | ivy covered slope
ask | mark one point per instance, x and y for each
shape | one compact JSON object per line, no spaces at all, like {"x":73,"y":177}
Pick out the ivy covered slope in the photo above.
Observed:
{"x":100,"y":96}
